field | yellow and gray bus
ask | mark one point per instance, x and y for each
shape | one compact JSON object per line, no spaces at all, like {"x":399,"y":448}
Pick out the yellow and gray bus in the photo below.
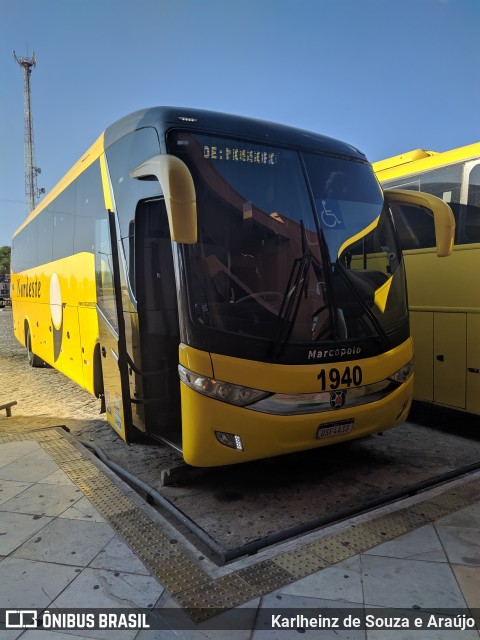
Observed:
{"x":443,"y":297}
{"x":231,"y":287}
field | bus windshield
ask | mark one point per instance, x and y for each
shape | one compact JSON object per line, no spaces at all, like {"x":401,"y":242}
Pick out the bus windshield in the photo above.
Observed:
{"x":292,"y":248}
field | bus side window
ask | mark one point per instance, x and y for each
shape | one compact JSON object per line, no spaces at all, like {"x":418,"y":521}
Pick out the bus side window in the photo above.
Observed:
{"x":471,"y":227}
{"x":45,"y":235}
{"x":24,"y":253}
{"x":123,"y":156}
{"x":63,"y":223}
{"x":89,"y":202}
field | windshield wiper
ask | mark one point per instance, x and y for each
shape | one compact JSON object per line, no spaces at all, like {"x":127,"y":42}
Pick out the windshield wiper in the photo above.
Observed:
{"x":296,"y":286}
{"x":344,"y":274}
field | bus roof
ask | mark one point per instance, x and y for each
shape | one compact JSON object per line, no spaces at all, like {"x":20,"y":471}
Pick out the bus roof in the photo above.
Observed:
{"x":403,"y":158}
{"x":92,"y":153}
{"x":228,"y":124}
{"x":165,"y":118}
{"x":420,"y":160}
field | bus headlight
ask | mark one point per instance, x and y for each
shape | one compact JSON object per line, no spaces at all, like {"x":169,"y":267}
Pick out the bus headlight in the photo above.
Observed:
{"x":402,"y":374}
{"x":223,"y":391}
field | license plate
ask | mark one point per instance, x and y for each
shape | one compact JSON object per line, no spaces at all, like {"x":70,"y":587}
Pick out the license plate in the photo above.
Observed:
{"x":333,"y":429}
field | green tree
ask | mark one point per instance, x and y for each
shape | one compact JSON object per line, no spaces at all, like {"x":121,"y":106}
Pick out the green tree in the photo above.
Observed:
{"x":5,"y":260}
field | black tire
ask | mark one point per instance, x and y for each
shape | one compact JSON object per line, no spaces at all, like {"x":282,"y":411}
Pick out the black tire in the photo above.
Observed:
{"x":33,"y":360}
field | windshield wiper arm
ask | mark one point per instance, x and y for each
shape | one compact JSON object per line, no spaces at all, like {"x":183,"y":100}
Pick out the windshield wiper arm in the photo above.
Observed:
{"x":292,"y":297}
{"x":343,"y":271}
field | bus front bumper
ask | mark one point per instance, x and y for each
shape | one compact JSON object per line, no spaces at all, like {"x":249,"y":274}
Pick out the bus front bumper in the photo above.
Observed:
{"x":262,"y":435}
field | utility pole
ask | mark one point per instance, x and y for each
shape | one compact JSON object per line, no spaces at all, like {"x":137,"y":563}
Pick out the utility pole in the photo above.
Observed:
{"x":31,"y":170}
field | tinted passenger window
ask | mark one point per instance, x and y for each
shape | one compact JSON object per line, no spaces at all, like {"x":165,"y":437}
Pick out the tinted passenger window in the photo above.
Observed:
{"x":445,"y":183}
{"x":63,"y":223}
{"x":24,"y":253}
{"x":123,"y":156}
{"x":89,"y":203}
{"x":471,"y":227}
{"x":45,"y":236}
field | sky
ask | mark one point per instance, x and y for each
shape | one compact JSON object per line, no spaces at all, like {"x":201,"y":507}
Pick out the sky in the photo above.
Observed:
{"x":386,"y":76}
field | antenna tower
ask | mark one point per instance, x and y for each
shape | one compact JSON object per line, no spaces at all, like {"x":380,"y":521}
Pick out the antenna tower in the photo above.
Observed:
{"x":32,"y":192}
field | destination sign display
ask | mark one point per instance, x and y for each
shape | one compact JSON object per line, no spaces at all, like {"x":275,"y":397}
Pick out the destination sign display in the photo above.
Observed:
{"x":252,"y":155}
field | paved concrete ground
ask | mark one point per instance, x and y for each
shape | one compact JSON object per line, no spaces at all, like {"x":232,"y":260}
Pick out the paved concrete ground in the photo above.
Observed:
{"x":58,"y":551}
{"x":46,"y":398}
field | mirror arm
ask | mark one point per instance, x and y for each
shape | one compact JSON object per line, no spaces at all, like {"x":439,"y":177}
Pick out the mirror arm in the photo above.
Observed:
{"x":178,"y":190}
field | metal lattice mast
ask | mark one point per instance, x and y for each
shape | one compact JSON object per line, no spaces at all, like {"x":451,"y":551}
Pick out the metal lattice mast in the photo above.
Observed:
{"x":31,"y":170}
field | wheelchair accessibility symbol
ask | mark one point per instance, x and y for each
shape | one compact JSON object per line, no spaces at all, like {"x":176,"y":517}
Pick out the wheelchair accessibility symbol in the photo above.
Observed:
{"x":330,"y":215}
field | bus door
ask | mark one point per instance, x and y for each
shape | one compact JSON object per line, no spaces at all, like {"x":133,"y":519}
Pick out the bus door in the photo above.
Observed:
{"x":159,"y":222}
{"x":111,"y":325}
{"x":158,"y":326}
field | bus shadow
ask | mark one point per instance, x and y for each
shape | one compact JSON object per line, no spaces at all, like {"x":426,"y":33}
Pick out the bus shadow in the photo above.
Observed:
{"x":447,"y":420}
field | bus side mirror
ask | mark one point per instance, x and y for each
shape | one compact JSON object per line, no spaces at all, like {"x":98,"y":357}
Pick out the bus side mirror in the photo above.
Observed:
{"x":179,"y":192}
{"x":442,"y":215}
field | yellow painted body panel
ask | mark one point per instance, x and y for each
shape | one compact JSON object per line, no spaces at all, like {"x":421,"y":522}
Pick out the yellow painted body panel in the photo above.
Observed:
{"x":421,"y":328}
{"x":438,"y":285}
{"x":265,"y":435}
{"x":401,"y":159}
{"x":444,"y":300}
{"x":287,"y":378}
{"x":449,"y":361}
{"x":195,"y":360}
{"x":77,"y":334}
{"x":473,"y":363}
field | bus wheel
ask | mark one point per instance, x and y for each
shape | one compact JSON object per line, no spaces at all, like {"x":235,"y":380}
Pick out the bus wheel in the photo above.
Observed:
{"x":33,"y":360}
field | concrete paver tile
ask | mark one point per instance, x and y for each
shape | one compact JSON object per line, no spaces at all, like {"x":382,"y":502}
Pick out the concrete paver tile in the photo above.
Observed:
{"x":400,"y":583}
{"x":192,"y":631}
{"x":17,"y":528}
{"x":39,"y":634}
{"x":420,"y":544}
{"x":72,"y":542}
{"x":421,"y":634}
{"x":10,"y":634}
{"x":469,"y":580}
{"x":12,"y":451}
{"x":57,"y":477}
{"x":462,"y":544}
{"x":98,"y":588}
{"x":11,"y":488}
{"x":29,"y":584}
{"x":83,"y":509}
{"x":467,"y":517}
{"x":29,"y":468}
{"x":342,"y":582}
{"x":117,"y":556}
{"x":44,"y":499}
